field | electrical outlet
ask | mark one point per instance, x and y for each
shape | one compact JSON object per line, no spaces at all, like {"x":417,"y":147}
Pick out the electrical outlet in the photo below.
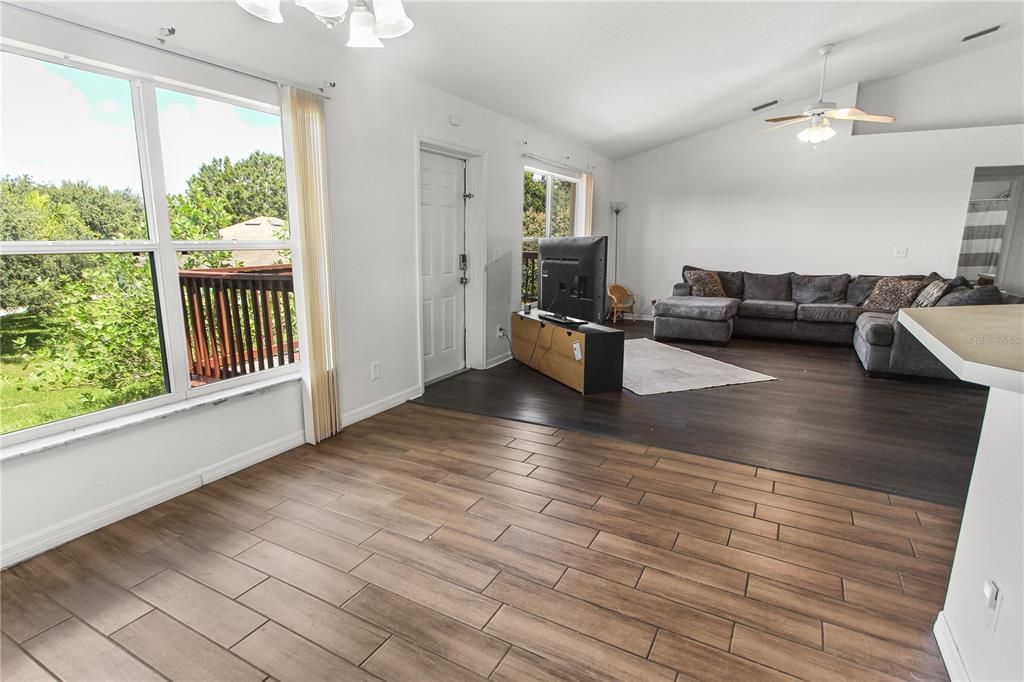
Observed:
{"x":501,"y":331}
{"x":900,"y":251}
{"x":375,"y":370}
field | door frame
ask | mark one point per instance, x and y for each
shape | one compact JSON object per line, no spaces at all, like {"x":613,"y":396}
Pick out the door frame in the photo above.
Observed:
{"x":476,"y":249}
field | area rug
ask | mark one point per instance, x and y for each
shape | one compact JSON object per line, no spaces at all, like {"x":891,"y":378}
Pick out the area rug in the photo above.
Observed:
{"x":650,"y":367}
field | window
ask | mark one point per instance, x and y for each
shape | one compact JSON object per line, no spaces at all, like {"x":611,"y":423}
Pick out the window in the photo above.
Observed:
{"x":126,"y":283}
{"x":549,"y":210}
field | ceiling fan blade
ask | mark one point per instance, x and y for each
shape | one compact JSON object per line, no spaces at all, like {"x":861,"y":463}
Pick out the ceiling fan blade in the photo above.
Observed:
{"x":855,"y":114}
{"x":783,"y":119}
{"x":794,"y":119}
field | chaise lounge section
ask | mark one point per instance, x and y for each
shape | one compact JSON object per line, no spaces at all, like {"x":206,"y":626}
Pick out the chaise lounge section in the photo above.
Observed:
{"x":820,"y":308}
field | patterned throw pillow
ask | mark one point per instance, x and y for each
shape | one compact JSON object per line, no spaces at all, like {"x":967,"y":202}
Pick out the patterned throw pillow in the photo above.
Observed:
{"x":931,"y":294}
{"x":892,"y":293}
{"x":705,"y":283}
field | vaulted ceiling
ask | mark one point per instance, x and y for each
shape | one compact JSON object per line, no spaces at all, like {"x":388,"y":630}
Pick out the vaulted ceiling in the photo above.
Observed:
{"x":623,"y":77}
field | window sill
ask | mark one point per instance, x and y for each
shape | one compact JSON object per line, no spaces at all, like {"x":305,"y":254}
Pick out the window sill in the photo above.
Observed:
{"x":69,"y":437}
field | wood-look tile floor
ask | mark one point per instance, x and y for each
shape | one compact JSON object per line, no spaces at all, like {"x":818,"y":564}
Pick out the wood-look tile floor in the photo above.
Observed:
{"x":427,"y":544}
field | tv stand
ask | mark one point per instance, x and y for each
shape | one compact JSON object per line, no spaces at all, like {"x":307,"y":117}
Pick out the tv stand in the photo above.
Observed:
{"x":579,"y":354}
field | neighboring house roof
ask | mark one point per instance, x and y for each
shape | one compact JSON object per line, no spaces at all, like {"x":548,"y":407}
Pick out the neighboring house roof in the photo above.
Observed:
{"x":254,"y":229}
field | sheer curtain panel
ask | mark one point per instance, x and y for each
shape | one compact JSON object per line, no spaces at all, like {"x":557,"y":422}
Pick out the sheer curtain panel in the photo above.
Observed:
{"x":305,"y":128}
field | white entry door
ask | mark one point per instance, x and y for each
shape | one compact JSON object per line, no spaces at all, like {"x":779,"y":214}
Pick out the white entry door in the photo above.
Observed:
{"x":443,"y":234}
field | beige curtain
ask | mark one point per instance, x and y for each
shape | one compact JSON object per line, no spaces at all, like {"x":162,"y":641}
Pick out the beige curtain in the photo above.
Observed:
{"x":587,"y":180}
{"x":305,"y":115}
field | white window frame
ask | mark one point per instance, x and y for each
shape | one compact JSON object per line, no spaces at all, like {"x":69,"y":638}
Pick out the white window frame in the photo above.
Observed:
{"x":577,"y":217}
{"x":163,"y":250}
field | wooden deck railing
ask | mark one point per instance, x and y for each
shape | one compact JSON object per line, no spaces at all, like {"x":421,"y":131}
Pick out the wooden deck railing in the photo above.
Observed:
{"x":238,"y":320}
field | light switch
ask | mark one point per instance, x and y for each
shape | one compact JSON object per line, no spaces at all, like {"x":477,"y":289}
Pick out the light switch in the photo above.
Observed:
{"x":900,"y":252}
{"x":993,"y":602}
{"x":991,"y":591}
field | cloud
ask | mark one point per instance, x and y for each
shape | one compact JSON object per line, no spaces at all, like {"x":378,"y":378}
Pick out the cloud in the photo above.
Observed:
{"x":48,"y":131}
{"x":109,"y":106}
{"x":54,"y":131}
{"x":195,"y":132}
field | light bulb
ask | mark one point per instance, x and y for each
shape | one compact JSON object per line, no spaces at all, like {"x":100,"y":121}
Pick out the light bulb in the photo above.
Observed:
{"x":360,"y":29}
{"x":267,"y":10}
{"x":331,"y":9}
{"x":819,"y":131}
{"x":392,"y":20}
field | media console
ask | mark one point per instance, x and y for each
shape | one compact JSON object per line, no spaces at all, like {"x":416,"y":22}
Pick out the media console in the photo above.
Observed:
{"x":586,"y":357}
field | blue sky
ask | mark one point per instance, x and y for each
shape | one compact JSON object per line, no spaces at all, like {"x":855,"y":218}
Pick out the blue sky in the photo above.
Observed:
{"x":63,"y":123}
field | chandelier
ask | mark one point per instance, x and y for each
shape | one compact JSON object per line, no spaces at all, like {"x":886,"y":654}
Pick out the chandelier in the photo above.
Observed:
{"x":383,"y":19}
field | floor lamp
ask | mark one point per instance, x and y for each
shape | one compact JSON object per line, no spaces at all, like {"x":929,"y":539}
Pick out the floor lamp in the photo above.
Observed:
{"x":617,"y":207}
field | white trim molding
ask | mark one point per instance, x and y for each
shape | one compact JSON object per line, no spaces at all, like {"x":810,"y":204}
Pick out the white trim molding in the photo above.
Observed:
{"x":951,"y":657}
{"x":384,"y":404}
{"x":495,"y":361}
{"x":57,"y":534}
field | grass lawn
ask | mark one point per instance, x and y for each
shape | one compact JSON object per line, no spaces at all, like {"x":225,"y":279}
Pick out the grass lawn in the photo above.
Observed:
{"x":21,"y":407}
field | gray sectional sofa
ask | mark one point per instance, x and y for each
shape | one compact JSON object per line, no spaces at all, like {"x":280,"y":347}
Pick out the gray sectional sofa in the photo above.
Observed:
{"x":823,"y":308}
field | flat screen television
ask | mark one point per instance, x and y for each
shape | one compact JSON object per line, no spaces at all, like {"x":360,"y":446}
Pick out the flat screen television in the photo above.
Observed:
{"x":572,"y":276}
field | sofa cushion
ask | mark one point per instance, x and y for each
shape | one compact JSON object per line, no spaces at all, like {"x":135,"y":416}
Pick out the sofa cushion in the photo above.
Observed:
{"x":860,"y":288}
{"x":697,"y":308}
{"x":983,"y":295}
{"x":758,"y":287}
{"x":876,"y":328}
{"x":772,"y":310}
{"x":681,"y":289}
{"x":819,"y":288}
{"x":704,"y":283}
{"x":732,"y":282}
{"x":892,"y":293}
{"x":931,"y":294}
{"x":828,"y":312}
{"x":959,"y":281}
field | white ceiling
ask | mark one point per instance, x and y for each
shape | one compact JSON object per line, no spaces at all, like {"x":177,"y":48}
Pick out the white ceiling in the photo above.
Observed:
{"x":622,"y":77}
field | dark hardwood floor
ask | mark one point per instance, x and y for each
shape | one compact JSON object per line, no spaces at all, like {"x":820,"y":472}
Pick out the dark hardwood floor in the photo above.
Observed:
{"x":424,"y":544}
{"x":823,"y":418}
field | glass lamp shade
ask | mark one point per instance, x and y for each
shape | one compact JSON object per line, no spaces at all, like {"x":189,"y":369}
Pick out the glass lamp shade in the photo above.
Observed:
{"x":820,"y":130}
{"x":360,"y":30}
{"x":392,"y":20}
{"x":267,"y":10}
{"x":329,"y":9}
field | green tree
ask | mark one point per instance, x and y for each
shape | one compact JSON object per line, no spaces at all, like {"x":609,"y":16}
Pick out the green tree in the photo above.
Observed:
{"x":252,"y":187}
{"x":108,"y":213}
{"x":30,"y":212}
{"x":103,"y":336}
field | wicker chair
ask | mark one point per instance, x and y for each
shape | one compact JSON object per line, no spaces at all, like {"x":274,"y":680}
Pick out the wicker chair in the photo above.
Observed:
{"x":622,"y":300}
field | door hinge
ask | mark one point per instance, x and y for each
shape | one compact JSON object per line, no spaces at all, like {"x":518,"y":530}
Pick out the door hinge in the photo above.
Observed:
{"x":468,"y":195}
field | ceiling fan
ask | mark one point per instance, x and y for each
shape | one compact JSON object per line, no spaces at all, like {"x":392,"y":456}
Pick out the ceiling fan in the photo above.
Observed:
{"x":820,"y":112}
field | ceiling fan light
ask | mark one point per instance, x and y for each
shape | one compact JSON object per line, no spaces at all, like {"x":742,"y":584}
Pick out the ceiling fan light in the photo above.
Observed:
{"x":392,"y":21}
{"x":820,"y":130}
{"x":360,"y":30}
{"x":267,"y":10}
{"x":325,"y":9}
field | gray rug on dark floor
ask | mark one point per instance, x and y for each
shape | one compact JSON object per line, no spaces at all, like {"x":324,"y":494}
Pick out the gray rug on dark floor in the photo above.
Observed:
{"x":650,"y":367}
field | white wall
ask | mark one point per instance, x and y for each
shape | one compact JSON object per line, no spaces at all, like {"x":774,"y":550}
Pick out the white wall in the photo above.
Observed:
{"x":980,"y":88}
{"x":372,"y":144}
{"x":52,"y":496}
{"x":990,"y":548}
{"x":737,"y":198}
{"x":374,"y":118}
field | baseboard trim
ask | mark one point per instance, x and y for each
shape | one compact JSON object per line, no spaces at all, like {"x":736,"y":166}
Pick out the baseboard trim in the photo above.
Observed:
{"x":494,"y":362}
{"x":59,"y":533}
{"x":950,"y":651}
{"x":253,"y":456}
{"x":378,"y":406}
